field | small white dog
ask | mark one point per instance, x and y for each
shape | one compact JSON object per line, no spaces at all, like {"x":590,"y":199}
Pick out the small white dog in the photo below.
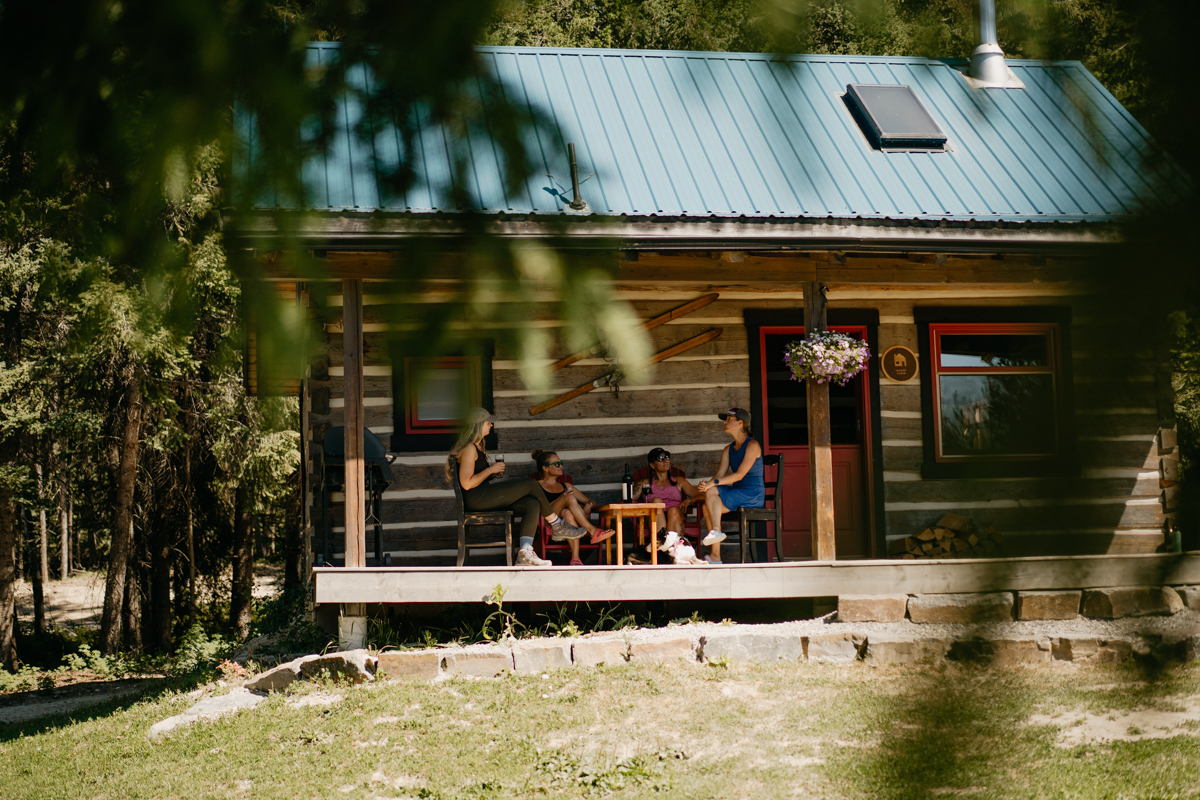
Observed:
{"x":680,"y":550}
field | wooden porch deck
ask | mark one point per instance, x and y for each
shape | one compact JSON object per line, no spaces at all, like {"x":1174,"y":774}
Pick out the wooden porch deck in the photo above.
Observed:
{"x":791,"y":579}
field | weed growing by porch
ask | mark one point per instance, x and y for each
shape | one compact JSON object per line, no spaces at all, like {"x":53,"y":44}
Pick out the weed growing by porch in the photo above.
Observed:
{"x":678,"y":730}
{"x":495,"y":621}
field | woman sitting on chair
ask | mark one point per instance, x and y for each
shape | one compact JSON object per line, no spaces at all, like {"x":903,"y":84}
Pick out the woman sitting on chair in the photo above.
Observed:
{"x":670,"y":487}
{"x":575,"y":506}
{"x":522,"y":496}
{"x":739,"y":479}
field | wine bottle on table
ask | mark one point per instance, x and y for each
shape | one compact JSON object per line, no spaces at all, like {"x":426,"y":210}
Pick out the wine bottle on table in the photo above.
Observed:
{"x":627,"y":486}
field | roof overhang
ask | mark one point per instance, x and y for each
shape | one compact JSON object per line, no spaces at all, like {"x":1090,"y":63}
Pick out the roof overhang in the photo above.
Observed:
{"x":377,"y":231}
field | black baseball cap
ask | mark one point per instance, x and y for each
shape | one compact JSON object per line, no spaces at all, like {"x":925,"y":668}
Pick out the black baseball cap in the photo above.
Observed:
{"x":739,"y":413}
{"x":653,"y":455}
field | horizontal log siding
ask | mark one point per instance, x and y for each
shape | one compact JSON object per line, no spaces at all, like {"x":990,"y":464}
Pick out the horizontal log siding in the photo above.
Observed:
{"x":1112,"y":507}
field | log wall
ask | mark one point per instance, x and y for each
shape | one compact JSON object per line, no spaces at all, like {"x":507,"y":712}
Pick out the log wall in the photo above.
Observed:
{"x":1113,"y":506}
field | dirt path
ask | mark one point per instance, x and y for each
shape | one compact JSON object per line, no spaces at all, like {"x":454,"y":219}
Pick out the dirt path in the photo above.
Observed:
{"x":26,"y":706}
{"x":77,"y":601}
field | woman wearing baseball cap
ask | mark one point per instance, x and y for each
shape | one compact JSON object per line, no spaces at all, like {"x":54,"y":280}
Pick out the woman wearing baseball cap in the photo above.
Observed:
{"x":739,"y":479}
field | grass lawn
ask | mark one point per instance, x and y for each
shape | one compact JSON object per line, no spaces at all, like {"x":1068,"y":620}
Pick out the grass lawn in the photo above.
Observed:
{"x":674,"y":731}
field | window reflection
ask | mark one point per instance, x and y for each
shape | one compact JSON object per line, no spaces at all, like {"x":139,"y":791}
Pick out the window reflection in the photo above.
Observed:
{"x":440,"y":394}
{"x":994,"y":350}
{"x":999,"y":414}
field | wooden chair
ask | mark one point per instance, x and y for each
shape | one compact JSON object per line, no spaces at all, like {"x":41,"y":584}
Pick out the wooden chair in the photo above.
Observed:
{"x":504,"y":518}
{"x":748,"y":516}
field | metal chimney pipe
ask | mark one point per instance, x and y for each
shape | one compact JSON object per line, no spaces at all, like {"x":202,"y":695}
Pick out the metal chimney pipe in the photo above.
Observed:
{"x":577,"y":203}
{"x":987,"y":61}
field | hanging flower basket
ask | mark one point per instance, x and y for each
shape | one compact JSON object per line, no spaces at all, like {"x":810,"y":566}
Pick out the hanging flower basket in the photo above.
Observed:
{"x":826,"y":357}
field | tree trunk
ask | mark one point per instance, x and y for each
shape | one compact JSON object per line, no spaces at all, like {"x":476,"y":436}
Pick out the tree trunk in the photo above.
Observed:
{"x":67,"y":552}
{"x":118,"y":557}
{"x":131,"y":607}
{"x":8,"y":580}
{"x":76,"y":555}
{"x":243,"y":565}
{"x":35,"y":574}
{"x":65,"y":544}
{"x":160,"y":616}
{"x":188,"y":493}
{"x":43,"y":530}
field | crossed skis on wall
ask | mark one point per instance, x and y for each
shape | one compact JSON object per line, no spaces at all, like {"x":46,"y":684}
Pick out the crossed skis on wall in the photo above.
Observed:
{"x":611,"y":377}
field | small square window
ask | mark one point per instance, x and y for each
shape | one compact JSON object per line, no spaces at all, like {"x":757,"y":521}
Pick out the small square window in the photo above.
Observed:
{"x":438,"y":392}
{"x":431,"y":395}
{"x":995,"y":397}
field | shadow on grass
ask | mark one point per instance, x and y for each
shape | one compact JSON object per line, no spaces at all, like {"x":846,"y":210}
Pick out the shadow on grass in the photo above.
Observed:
{"x":60,"y":715}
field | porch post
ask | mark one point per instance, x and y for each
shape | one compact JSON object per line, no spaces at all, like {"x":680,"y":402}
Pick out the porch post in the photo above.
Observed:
{"x":820,"y":456}
{"x":352,"y":337}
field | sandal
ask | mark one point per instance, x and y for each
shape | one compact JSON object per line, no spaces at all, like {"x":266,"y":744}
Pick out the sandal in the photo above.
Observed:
{"x":575,"y":562}
{"x":600,"y":536}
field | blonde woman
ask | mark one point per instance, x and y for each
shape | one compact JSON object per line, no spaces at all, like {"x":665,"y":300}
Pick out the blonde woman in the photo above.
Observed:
{"x":522,"y":496}
{"x":564,"y":498}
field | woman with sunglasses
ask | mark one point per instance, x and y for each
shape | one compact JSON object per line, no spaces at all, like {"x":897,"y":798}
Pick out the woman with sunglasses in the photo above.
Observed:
{"x":522,"y":496}
{"x":670,"y":487}
{"x":574,"y":506}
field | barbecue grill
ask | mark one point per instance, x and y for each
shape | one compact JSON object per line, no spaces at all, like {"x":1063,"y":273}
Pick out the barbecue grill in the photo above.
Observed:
{"x":377,"y":465}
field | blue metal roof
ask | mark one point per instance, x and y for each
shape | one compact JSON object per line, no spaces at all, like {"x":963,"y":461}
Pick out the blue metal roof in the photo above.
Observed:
{"x":689,"y":134}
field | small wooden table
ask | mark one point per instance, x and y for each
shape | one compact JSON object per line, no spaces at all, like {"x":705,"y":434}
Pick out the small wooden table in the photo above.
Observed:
{"x":638,"y":511}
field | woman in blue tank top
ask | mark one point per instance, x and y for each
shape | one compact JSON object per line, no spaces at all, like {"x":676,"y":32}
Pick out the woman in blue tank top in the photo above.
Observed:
{"x":739,"y":480}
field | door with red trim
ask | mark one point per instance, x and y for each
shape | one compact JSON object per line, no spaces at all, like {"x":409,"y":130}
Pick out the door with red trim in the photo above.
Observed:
{"x":784,"y":414}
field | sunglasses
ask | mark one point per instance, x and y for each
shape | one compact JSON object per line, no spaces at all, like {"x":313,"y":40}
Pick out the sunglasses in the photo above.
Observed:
{"x":664,"y":457}
{"x":554,"y":464}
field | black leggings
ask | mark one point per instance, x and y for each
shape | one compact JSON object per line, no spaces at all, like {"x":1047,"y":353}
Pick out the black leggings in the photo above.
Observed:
{"x":524,"y":497}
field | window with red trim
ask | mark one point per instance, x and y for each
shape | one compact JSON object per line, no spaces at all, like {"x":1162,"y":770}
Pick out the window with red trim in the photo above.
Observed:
{"x":437,"y":391}
{"x":431,"y":396}
{"x":996,"y":391}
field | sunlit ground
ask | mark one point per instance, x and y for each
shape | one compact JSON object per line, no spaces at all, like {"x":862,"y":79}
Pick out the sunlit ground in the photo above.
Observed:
{"x":679,"y":730}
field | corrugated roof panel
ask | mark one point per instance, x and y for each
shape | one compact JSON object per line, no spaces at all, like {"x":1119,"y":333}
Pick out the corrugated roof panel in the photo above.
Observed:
{"x":687,"y":150}
{"x":629,"y":188}
{"x":727,"y":134}
{"x":523,"y":75}
{"x":822,"y":136}
{"x":1094,"y":165}
{"x":781,"y":171}
{"x":675,"y":186}
{"x":790,"y":143}
{"x":980,"y":181}
{"x":659,"y":186}
{"x":694,"y":88}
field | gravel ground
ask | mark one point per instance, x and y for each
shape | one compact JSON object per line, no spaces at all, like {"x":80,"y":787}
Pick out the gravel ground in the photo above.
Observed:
{"x":1186,"y":622}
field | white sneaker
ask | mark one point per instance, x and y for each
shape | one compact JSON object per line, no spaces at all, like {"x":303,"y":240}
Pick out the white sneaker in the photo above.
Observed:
{"x":712,"y":538}
{"x":710,"y":560}
{"x":669,"y":542}
{"x":527,"y":558}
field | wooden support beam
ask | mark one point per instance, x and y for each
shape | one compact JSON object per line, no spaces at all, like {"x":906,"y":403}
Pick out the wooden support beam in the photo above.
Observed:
{"x":820,"y":454}
{"x":352,"y":348}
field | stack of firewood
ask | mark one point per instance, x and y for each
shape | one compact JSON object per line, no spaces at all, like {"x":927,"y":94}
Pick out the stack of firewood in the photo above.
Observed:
{"x":954,"y":536}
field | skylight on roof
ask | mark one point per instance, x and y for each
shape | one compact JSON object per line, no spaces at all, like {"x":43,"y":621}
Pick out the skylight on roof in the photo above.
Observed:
{"x":893,"y":118}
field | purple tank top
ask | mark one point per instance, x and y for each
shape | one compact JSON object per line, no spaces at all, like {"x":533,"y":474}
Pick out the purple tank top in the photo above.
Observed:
{"x":672,"y":495}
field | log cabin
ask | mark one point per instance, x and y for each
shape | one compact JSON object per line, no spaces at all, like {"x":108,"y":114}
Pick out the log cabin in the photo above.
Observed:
{"x":951,"y":213}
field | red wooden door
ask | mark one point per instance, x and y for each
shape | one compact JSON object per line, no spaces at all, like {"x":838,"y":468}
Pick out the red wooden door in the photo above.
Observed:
{"x":784,"y":414}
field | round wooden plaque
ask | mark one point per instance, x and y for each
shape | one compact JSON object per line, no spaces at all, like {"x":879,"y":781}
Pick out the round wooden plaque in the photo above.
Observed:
{"x":899,"y":364}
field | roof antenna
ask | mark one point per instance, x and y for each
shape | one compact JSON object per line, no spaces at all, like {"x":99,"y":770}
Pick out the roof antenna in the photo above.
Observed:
{"x":577,"y":204}
{"x":987,"y":61}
